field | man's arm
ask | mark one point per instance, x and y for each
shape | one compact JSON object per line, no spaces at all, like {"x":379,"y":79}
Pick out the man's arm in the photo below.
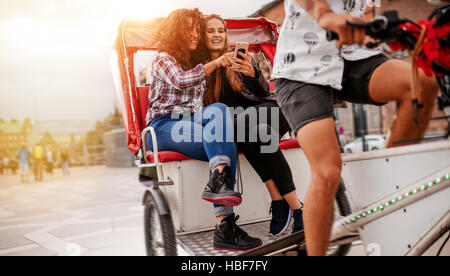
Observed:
{"x":328,"y":20}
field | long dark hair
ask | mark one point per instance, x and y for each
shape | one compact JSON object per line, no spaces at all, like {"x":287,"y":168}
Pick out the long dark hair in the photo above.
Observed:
{"x":214,"y":81}
{"x":172,"y":36}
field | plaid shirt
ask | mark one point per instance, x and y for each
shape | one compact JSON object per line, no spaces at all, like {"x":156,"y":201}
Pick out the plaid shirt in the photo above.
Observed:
{"x":174,"y":90}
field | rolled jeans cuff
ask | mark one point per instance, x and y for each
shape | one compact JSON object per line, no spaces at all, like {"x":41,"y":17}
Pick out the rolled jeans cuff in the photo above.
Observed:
{"x":223,"y":211}
{"x":219,"y":160}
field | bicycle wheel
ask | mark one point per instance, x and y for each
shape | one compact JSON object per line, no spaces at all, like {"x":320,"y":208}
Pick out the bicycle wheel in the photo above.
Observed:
{"x":159,"y":231}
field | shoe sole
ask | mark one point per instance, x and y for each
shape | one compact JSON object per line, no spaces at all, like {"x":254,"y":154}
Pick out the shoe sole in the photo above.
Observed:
{"x":287,"y":223}
{"x":222,"y":200}
{"x":234,"y":249}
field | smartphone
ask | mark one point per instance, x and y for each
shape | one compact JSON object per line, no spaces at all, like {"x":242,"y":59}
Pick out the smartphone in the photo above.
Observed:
{"x":241,"y":47}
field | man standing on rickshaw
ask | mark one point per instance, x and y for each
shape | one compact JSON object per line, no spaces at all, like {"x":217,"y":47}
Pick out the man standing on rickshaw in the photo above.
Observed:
{"x":310,"y":71}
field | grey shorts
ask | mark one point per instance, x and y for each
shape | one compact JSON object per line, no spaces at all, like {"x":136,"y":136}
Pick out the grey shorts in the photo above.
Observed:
{"x":302,"y":103}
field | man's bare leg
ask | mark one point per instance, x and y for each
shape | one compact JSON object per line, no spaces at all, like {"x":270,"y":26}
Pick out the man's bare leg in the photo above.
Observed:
{"x":391,"y":81}
{"x":320,"y":145}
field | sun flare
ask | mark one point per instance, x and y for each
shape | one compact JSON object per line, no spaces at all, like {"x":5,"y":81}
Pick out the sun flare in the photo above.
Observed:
{"x":43,"y":36}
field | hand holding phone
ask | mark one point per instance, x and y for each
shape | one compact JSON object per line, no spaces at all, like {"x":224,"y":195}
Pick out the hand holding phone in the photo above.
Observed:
{"x":242,"y":62}
{"x":241,"y":47}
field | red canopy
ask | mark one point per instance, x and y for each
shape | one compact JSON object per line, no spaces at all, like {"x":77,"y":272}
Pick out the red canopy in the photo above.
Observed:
{"x":136,"y":34}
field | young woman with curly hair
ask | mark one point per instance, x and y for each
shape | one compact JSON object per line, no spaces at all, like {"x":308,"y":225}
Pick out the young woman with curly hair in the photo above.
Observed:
{"x":243,"y":85}
{"x":182,"y":124}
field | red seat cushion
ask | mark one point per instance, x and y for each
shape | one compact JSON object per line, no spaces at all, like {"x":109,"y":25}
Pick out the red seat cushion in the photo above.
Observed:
{"x":167,"y":156}
{"x":289,"y":144}
{"x":172,"y":156}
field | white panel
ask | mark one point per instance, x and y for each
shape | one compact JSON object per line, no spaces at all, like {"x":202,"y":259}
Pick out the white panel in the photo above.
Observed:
{"x":396,"y":233}
{"x":173,"y":193}
{"x":191,"y":213}
{"x":369,"y":180}
{"x":379,"y":174}
{"x":194,"y":214}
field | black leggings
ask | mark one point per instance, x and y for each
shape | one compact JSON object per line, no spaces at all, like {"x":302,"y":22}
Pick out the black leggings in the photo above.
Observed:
{"x":272,"y":165}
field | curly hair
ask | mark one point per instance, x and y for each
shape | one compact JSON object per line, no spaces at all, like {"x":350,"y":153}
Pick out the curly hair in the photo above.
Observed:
{"x":172,"y":36}
{"x":214,"y":81}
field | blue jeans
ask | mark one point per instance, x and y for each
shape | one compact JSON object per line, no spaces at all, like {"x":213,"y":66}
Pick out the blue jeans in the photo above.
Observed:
{"x":206,"y":135}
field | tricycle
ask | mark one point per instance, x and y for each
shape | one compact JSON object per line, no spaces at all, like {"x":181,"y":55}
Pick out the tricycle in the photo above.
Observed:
{"x":393,"y":202}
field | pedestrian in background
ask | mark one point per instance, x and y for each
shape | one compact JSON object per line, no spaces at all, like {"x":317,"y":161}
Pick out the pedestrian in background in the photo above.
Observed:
{"x":24,"y":156}
{"x":6,"y":163}
{"x":65,"y":161}
{"x":49,"y":157}
{"x":38,"y":157}
{"x":1,"y":163}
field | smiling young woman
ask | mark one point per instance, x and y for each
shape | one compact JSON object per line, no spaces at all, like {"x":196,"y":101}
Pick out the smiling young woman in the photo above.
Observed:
{"x":178,"y":36}
{"x":216,"y":36}
{"x":243,"y":85}
{"x":213,"y":44}
{"x":177,"y":89}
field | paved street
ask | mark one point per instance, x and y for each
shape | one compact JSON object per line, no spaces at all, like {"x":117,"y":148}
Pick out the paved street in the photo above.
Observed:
{"x":95,"y":211}
{"x":91,"y":212}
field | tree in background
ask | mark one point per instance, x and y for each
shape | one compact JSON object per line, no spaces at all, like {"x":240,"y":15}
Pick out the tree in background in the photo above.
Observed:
{"x":94,"y":138}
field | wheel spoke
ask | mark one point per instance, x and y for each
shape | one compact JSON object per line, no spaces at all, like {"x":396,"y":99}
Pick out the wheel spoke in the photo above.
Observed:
{"x":159,"y":232}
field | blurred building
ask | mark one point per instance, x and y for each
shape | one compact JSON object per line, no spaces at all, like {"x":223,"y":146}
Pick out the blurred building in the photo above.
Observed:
{"x":376,"y":120}
{"x":13,"y":133}
{"x":48,"y":142}
{"x":116,"y":151}
{"x":106,"y":143}
{"x":63,"y":128}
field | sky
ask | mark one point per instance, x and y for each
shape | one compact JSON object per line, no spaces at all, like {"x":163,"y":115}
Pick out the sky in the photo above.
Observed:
{"x":55,"y":54}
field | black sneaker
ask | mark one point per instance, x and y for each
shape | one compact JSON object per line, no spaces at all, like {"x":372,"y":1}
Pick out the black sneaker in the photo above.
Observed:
{"x":229,"y":236}
{"x":281,"y":217}
{"x":298,"y":221}
{"x":219,"y":189}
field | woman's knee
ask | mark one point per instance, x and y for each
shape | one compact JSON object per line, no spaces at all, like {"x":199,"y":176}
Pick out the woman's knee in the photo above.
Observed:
{"x":219,"y":111}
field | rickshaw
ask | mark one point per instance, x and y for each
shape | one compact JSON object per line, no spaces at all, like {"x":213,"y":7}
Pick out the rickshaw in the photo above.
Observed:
{"x":415,"y":177}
